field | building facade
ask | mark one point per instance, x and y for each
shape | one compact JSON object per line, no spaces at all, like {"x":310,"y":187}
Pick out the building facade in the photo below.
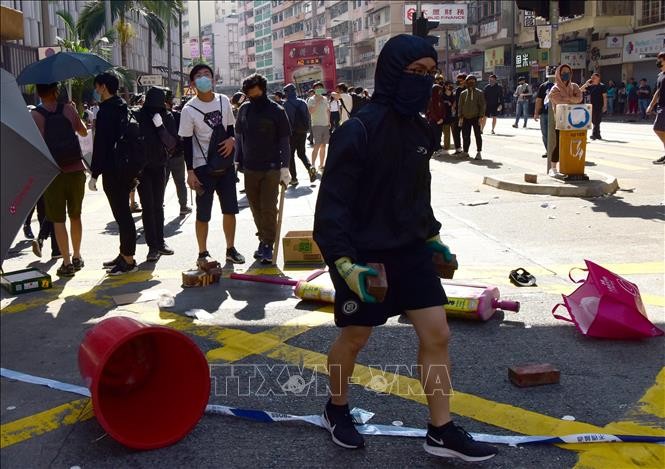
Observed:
{"x":42,"y":26}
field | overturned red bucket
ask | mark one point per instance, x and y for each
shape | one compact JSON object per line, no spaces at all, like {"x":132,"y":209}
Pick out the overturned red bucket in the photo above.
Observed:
{"x":149,"y":384}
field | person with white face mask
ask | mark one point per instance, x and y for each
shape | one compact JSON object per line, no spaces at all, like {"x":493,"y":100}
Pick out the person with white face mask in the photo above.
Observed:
{"x":206,"y":125}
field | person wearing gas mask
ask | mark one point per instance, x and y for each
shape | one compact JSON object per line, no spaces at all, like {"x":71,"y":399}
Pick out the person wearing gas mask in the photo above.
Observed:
{"x":206,"y":126}
{"x":374,"y":206}
{"x":564,"y":91}
{"x":263,"y":155}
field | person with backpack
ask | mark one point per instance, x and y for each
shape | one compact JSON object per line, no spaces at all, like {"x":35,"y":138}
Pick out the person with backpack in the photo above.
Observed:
{"x":263,"y":155}
{"x":175,"y":167}
{"x":158,"y":131}
{"x":345,"y":102}
{"x":358,"y":100}
{"x":374,"y":205}
{"x":523,"y":98}
{"x":59,"y":123}
{"x":206,"y":126}
{"x":300,"y":120}
{"x":119,"y":156}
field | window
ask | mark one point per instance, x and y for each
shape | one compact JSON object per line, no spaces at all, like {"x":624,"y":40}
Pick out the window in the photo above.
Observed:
{"x":653,"y":11}
{"x":490,"y":8}
{"x":338,"y":9}
{"x":614,"y":8}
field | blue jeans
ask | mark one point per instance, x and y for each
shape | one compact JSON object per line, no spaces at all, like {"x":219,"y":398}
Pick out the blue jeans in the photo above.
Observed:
{"x":610,"y":105}
{"x":643,"y":104}
{"x":522,"y":111}
{"x":544,"y":120}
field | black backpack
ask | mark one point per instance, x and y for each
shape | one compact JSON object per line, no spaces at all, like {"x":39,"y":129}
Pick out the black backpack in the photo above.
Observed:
{"x":300,"y":123}
{"x":60,"y":137}
{"x":129,"y":150}
{"x":216,"y":164}
{"x":358,"y":102}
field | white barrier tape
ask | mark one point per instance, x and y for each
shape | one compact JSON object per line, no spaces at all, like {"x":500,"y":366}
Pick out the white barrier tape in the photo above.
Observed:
{"x":362,"y":416}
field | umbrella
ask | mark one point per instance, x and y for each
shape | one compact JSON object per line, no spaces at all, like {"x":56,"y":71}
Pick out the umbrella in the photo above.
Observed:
{"x":26,"y":165}
{"x":62,"y":66}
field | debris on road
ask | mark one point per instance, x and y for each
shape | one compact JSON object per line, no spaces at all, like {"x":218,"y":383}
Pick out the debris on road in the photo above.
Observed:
{"x":474,"y":203}
{"x":533,"y":375}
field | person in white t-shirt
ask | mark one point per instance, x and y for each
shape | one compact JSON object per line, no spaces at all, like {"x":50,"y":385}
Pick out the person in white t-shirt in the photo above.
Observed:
{"x":198,"y":120}
{"x":345,"y":103}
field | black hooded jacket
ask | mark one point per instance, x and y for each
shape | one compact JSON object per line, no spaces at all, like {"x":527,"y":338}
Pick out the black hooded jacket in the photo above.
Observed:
{"x":160,"y":142}
{"x":375,"y":192}
{"x":107,"y":133}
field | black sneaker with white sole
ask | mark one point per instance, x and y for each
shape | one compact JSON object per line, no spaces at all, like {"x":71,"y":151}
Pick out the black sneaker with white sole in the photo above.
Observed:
{"x":337,"y":419}
{"x":111,"y":264}
{"x":232,"y":255}
{"x":123,"y":267}
{"x":452,"y":441}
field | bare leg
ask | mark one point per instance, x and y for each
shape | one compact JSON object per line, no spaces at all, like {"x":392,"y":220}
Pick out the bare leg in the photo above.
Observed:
{"x":202,"y":235}
{"x":76,"y":229}
{"x":433,"y":335}
{"x":483,"y":121}
{"x":493,"y":123}
{"x":661,"y":135}
{"x":62,"y":239}
{"x":229,"y":225}
{"x":323,"y":156}
{"x":342,"y":360}
{"x":315,"y":153}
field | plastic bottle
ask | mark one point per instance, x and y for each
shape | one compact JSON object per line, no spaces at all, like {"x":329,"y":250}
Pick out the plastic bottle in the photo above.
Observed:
{"x":478,"y":302}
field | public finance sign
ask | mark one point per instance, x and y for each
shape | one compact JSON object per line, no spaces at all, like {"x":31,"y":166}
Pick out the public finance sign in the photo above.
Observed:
{"x":444,"y":13}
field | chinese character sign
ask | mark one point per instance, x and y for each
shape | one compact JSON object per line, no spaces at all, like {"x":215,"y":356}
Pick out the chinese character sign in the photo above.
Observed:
{"x":529,"y":19}
{"x":443,"y":13}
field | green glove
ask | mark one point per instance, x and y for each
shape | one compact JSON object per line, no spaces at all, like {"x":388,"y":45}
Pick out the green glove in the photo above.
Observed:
{"x":437,"y":245}
{"x":355,"y":275}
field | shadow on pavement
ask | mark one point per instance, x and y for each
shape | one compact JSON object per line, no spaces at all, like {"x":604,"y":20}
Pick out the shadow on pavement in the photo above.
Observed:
{"x":615,"y":207}
{"x":298,"y":191}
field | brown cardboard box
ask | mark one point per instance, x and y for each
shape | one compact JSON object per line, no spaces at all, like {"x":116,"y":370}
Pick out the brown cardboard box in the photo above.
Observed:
{"x":300,"y":248}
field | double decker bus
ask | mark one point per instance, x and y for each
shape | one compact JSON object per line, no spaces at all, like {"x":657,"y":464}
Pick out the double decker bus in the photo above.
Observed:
{"x":310,"y":60}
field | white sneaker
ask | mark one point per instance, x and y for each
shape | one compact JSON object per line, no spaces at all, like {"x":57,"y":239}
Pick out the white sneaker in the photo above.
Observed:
{"x":552,"y":173}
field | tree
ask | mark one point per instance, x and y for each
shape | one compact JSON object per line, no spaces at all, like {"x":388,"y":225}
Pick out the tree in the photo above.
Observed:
{"x":154,"y":12}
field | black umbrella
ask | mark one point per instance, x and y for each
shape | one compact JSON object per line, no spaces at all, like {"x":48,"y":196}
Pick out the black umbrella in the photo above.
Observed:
{"x":63,"y":66}
{"x":26,"y":165}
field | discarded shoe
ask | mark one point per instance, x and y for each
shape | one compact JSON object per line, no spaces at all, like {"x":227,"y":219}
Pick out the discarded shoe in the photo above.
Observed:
{"x":522,"y":278}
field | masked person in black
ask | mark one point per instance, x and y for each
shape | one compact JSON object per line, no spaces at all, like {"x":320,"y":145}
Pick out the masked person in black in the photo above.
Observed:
{"x":159,"y":129}
{"x":456,"y":128}
{"x":374,"y":206}
{"x":176,"y":165}
{"x":263,"y":154}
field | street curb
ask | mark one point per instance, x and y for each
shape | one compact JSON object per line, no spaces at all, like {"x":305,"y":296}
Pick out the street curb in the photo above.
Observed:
{"x":600,"y":184}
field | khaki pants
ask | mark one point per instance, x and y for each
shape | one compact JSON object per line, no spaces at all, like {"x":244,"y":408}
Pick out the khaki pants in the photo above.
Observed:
{"x":262,"y":190}
{"x":446,"y":137}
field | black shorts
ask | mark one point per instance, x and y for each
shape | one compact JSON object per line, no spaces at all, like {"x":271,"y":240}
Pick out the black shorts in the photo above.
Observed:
{"x":659,"y":123}
{"x":491,"y":111}
{"x":224,"y":185}
{"x":412,"y":284}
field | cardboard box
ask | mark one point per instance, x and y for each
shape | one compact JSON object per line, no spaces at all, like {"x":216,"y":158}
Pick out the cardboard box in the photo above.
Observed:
{"x":573,"y":116}
{"x":299,"y":248}
{"x":26,"y":280}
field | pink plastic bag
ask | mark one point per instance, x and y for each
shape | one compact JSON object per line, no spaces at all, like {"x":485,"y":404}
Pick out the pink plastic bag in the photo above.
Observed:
{"x":607,"y":306}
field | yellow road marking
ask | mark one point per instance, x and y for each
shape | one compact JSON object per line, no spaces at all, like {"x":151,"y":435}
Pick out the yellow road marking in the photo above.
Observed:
{"x":632,"y":455}
{"x":44,"y":422}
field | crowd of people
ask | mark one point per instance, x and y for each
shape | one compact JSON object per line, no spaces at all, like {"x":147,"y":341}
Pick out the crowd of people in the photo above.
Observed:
{"x":206,"y":141}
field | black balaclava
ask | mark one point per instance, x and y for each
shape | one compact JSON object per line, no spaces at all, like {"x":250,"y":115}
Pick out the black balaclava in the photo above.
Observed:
{"x":155,"y":101}
{"x":407,"y":93}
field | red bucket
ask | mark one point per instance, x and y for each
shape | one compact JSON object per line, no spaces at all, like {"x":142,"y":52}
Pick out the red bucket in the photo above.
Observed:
{"x":149,"y":384}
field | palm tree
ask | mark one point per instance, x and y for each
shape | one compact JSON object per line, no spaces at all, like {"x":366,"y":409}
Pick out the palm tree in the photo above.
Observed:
{"x":154,"y":12}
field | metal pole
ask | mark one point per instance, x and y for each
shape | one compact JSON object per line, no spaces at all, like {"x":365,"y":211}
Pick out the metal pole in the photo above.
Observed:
{"x":555,"y":52}
{"x":351,"y":49}
{"x":511,"y":79}
{"x":200,"y":33}
{"x":446,"y":70}
{"x":168,"y":53}
{"x":212,"y":38}
{"x":181,"y":67}
{"x":108,"y":22}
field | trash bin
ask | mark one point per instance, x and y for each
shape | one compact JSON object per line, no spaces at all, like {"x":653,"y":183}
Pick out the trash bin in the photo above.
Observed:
{"x":572,"y":122}
{"x":149,"y":384}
